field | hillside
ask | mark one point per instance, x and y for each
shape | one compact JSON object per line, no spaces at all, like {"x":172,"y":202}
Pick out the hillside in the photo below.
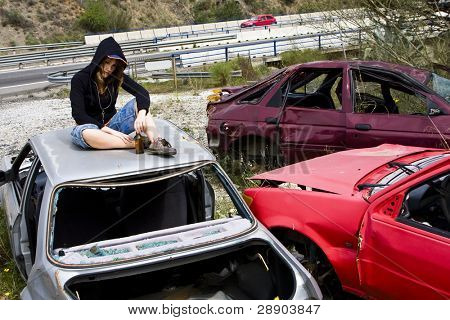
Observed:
{"x":37,"y":21}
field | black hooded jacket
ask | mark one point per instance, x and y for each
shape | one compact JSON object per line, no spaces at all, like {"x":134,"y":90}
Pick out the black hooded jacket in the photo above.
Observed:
{"x":84,"y":96}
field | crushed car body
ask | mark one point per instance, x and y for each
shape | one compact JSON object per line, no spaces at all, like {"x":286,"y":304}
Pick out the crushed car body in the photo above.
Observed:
{"x":374,"y":222}
{"x":113,"y":224}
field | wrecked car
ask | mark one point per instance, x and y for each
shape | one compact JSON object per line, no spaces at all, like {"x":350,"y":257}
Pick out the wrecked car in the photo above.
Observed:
{"x":316,"y":108}
{"x":113,"y":224}
{"x":374,"y":222}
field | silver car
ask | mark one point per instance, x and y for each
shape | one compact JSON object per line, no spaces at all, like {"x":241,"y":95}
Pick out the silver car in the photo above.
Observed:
{"x":119,"y":225}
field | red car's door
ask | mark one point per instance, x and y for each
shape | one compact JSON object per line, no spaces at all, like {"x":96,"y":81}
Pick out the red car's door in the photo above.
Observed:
{"x":388,"y":109}
{"x":404,"y":245}
{"x":313,"y":122}
{"x":261,"y":21}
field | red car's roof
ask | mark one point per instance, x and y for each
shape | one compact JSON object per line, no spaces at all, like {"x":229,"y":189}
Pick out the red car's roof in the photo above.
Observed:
{"x":339,"y":172}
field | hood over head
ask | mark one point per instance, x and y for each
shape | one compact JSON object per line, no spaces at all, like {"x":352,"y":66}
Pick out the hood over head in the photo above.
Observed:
{"x":107,"y":48}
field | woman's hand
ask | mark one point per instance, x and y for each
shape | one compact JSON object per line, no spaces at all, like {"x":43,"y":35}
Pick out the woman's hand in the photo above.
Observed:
{"x":125,"y":138}
{"x":139,"y":124}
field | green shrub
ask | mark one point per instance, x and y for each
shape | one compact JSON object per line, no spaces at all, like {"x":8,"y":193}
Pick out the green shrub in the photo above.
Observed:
{"x":94,"y":17}
{"x":221,"y":72}
{"x":98,"y":16}
{"x":229,"y":10}
{"x":205,"y":11}
{"x":14,"y":18}
{"x":289,"y":58}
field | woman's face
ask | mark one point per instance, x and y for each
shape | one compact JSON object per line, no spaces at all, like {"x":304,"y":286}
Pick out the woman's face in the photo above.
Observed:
{"x":107,"y":67}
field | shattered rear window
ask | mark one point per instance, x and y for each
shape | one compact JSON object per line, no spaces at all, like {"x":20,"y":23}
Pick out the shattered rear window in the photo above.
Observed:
{"x":98,"y":224}
{"x":441,"y":86}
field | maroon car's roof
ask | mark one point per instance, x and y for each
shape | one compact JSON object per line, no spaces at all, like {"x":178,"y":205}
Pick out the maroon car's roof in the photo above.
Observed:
{"x":338,"y":172}
{"x":420,"y":75}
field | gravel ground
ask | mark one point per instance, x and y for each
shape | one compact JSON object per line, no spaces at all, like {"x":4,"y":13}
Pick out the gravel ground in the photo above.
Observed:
{"x":22,"y":118}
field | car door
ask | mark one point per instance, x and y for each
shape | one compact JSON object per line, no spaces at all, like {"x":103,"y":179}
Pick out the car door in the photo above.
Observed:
{"x":389,"y":109}
{"x":19,"y":189}
{"x":313,"y":121}
{"x":404,"y":244}
{"x":260,"y":21}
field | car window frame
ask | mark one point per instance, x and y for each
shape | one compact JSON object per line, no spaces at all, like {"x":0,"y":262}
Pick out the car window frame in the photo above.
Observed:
{"x":417,"y":225}
{"x":315,"y":70}
{"x":418,"y":89}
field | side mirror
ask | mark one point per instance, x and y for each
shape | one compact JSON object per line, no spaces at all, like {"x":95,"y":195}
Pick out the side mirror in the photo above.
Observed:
{"x":5,"y":177}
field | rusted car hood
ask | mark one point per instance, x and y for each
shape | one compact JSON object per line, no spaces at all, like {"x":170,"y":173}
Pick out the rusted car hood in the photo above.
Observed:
{"x":339,"y":172}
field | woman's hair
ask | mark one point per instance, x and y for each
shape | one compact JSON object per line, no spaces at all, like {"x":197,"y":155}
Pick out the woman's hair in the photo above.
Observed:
{"x":116,"y":78}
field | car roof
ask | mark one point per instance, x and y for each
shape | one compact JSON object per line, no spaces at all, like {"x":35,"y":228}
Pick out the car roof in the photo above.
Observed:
{"x":339,"y":172}
{"x":421,"y":75}
{"x":64,"y":162}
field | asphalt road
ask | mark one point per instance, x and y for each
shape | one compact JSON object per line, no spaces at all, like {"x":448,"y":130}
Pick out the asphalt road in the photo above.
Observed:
{"x":14,"y":82}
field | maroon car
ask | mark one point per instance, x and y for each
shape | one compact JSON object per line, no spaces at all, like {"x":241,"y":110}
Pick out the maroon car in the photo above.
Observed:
{"x":320,"y":107}
{"x":259,"y":20}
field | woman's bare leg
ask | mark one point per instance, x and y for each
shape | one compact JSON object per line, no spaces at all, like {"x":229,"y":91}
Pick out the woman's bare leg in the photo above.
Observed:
{"x":98,"y":139}
{"x":150,"y":131}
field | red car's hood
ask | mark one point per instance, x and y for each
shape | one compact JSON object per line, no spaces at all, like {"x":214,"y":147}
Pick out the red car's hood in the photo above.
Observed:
{"x":338,"y":172}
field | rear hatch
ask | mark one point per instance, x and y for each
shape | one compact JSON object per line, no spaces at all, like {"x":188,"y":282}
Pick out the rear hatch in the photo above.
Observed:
{"x":251,"y":270}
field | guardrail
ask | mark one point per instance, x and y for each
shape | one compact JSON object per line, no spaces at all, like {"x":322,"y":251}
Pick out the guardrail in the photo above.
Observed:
{"x":225,"y":27}
{"x":42,"y":45}
{"x":74,"y":53}
{"x":259,"y":48}
{"x":189,"y":75}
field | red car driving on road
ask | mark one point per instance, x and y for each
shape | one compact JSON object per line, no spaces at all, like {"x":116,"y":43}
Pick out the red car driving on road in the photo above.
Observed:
{"x":259,"y":20}
{"x":374,"y":222}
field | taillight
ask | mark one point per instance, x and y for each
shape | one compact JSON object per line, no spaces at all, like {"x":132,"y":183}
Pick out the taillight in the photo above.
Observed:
{"x":210,"y":109}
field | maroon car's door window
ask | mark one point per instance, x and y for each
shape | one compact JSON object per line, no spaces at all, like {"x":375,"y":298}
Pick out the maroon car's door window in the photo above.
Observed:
{"x":389,"y":109}
{"x":312,"y":123}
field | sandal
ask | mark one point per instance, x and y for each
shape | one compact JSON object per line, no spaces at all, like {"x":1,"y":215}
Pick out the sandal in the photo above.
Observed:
{"x":161,"y":147}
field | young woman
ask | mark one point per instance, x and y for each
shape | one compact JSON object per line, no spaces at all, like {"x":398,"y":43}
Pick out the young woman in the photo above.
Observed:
{"x":93,"y":96}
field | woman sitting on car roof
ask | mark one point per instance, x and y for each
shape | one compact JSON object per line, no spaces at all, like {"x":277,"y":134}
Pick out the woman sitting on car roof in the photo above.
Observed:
{"x":93,"y":96}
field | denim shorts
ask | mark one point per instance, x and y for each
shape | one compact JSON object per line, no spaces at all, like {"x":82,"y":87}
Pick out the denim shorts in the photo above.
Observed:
{"x":122,"y":121}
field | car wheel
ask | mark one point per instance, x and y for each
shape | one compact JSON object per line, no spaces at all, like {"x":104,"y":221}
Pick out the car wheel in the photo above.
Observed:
{"x":315,"y":261}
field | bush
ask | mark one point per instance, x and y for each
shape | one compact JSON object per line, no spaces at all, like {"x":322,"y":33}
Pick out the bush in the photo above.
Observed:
{"x":289,"y":58}
{"x":206,"y":11}
{"x":94,"y":17}
{"x":230,"y":10}
{"x":15,"y":19}
{"x":98,"y":16}
{"x":221,"y":72}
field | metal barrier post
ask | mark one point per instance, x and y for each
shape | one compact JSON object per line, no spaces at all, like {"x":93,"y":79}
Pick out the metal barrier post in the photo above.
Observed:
{"x":320,"y":43}
{"x":174,"y":70}
{"x":226,"y":54}
{"x":275,"y":48}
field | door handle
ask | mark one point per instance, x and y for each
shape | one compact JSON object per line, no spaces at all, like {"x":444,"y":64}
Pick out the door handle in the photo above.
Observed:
{"x":271,"y":120}
{"x":363,"y":126}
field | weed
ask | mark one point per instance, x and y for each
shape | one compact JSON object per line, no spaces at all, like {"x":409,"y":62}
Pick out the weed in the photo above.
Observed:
{"x":11,"y":283}
{"x":289,"y":58}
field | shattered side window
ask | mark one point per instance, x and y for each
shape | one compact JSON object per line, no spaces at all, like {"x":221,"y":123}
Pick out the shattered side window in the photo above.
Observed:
{"x":116,"y":221}
{"x":441,"y":86}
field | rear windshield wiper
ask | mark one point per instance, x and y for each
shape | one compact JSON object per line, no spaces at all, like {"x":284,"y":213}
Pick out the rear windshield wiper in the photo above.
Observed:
{"x":403,"y":166}
{"x":371,"y":185}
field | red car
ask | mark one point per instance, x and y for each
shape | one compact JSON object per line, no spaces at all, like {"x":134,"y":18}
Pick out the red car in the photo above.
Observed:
{"x":373,"y":221}
{"x":315,"y":108}
{"x":259,"y":20}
